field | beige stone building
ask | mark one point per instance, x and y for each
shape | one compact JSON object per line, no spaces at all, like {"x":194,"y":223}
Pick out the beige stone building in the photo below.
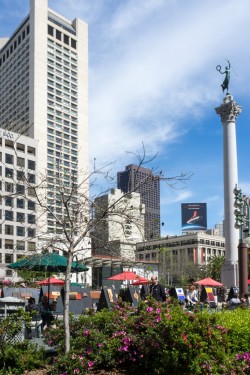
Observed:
{"x":178,"y":252}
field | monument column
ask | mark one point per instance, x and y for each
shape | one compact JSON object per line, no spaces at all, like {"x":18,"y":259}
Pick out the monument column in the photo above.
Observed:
{"x":228,"y":111}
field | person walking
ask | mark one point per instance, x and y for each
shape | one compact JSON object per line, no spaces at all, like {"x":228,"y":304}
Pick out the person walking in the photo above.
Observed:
{"x":46,"y":309}
{"x":157,"y":291}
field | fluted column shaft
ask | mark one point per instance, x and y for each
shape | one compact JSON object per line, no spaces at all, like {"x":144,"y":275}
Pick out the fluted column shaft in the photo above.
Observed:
{"x":228,"y":112}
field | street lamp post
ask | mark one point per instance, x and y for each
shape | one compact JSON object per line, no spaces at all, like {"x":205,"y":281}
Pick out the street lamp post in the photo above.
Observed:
{"x":242,"y":222}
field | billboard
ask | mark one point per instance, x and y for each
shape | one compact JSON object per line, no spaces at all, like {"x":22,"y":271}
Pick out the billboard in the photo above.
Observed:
{"x":193,"y":216}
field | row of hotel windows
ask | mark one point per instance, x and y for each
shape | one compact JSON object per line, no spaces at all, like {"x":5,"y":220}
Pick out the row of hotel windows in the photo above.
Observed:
{"x":61,"y":50}
{"x":62,"y":61}
{"x":9,"y":187}
{"x":59,"y":86}
{"x":212,"y":243}
{"x":14,"y":82}
{"x":23,"y":232}
{"x":17,"y":68}
{"x":15,"y":93}
{"x":60,"y":149}
{"x":67,"y":82}
{"x":183,"y":243}
{"x":20,"y":175}
{"x":153,"y":256}
{"x":19,"y":203}
{"x":20,"y":217}
{"x":60,"y":140}
{"x":10,"y":159}
{"x":191,"y":251}
{"x":9,"y":258}
{"x":69,"y":121}
{"x":64,"y":143}
{"x":15,"y":44}
{"x":59,"y":120}
{"x":18,"y":146}
{"x":61,"y":36}
{"x":20,"y":231}
{"x":63,"y":72}
{"x":65,"y":94}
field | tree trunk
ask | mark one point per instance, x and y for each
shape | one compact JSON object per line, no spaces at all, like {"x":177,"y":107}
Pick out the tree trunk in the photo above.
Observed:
{"x":66,"y":303}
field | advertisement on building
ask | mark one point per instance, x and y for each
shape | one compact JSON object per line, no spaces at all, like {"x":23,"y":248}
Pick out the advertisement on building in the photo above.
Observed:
{"x":193,"y":216}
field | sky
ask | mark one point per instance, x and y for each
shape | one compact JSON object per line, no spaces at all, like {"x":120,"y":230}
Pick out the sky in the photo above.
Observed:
{"x":153,"y":82}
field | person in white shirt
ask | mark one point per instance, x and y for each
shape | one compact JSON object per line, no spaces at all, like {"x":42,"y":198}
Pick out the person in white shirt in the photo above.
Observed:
{"x":192,"y":296}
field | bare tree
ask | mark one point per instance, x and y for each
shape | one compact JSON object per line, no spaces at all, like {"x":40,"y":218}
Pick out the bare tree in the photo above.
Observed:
{"x":68,"y":213}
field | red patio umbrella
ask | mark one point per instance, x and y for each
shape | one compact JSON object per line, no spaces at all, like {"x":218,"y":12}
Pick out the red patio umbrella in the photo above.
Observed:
{"x":208,"y":282}
{"x":127,"y":275}
{"x":140,"y":281}
{"x":51,"y":281}
{"x":248,"y":282}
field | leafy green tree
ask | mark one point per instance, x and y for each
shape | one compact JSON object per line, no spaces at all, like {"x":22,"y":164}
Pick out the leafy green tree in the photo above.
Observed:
{"x":214,"y":267}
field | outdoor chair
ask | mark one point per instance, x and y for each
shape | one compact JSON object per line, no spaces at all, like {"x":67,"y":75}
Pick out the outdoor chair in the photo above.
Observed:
{"x":34,"y":329}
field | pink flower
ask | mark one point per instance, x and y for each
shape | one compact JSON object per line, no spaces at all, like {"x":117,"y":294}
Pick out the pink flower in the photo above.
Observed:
{"x":149,"y":309}
{"x":100,"y":344}
{"x":123,"y":348}
{"x":86,"y":332}
{"x":90,"y":364}
{"x":76,"y":371}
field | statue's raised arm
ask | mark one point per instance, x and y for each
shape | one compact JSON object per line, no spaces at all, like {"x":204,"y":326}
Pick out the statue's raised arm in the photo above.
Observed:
{"x":225,"y":84}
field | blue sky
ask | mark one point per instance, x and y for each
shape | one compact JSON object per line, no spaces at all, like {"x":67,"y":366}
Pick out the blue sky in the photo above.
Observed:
{"x":153,"y":79}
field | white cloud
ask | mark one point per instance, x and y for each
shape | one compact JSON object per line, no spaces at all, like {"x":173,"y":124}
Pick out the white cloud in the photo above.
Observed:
{"x":152,"y":78}
{"x":176,"y":196}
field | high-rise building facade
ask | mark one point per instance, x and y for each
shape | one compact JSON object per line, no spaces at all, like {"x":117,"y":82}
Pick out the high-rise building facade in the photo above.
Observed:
{"x":18,"y":214}
{"x":44,"y":93}
{"x":124,"y":223}
{"x":143,"y":181}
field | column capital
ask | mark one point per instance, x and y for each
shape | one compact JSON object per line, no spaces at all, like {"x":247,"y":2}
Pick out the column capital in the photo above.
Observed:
{"x":229,"y":110}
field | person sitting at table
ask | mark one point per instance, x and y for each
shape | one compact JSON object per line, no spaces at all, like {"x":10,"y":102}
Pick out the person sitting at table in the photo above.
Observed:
{"x":32,"y":308}
{"x":45,"y":309}
{"x":234,"y":302}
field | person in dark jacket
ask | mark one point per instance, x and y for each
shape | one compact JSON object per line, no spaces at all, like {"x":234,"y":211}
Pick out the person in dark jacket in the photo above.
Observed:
{"x":234,"y":302}
{"x":157,"y":291}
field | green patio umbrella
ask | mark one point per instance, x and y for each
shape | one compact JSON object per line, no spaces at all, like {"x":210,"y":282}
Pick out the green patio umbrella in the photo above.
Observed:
{"x":77,"y":284}
{"x":50,"y":262}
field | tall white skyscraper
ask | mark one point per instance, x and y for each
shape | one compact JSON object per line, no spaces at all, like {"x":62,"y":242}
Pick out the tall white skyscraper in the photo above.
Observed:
{"x":44,"y":92}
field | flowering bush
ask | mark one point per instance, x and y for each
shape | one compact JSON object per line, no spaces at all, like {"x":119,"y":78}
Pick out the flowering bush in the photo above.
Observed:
{"x":154,"y":338}
{"x":15,"y":356}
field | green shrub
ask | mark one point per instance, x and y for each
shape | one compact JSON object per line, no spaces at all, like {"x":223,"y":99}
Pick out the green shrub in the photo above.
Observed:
{"x":15,"y":356}
{"x":23,"y":356}
{"x":154,"y":338}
